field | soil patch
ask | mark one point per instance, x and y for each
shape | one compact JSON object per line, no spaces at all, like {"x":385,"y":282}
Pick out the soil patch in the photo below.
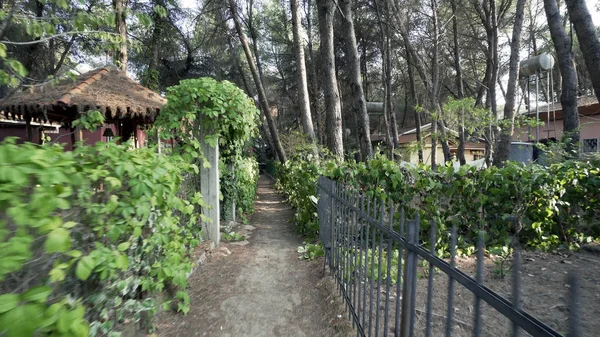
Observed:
{"x":262,"y":288}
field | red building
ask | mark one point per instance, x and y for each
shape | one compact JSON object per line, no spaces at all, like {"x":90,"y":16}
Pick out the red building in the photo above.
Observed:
{"x":51,"y":108}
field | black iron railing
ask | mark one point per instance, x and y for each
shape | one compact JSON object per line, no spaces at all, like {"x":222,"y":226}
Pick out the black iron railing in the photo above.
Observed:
{"x":374,"y":254}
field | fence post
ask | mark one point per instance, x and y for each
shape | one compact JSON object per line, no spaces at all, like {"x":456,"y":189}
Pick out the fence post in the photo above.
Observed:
{"x":232,"y":207}
{"x":410,"y":283}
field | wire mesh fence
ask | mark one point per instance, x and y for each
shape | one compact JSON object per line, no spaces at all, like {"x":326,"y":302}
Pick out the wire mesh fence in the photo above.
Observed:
{"x":390,"y":282}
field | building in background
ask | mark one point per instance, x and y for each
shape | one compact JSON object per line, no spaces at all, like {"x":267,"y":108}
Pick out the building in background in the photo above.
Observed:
{"x":552,"y":128}
{"x":48,"y":111}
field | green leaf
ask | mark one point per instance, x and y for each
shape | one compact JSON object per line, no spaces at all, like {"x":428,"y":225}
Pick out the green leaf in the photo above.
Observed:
{"x":84,"y":267}
{"x":37,"y":294}
{"x":2,"y":50}
{"x":18,"y":67}
{"x":8,"y":302}
{"x":69,"y":224}
{"x":22,"y":321}
{"x":57,"y":275}
{"x":58,"y":241}
{"x":123,"y":246}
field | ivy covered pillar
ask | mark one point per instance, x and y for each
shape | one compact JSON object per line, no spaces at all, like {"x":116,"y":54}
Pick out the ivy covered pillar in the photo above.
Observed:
{"x":209,"y":188}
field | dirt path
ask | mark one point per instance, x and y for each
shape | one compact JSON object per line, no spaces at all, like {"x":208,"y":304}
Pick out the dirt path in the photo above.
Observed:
{"x":262,"y":288}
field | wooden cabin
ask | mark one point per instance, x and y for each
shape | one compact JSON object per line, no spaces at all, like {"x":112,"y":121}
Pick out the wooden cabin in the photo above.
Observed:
{"x":49,"y":109}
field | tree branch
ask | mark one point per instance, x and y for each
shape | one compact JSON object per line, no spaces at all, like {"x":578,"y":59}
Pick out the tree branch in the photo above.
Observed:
{"x":27,"y":43}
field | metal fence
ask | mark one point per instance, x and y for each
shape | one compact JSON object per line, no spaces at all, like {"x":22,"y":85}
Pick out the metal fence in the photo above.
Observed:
{"x":374,"y":254}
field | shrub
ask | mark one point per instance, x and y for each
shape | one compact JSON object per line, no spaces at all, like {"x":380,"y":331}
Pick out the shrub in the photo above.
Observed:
{"x":88,"y":236}
{"x":239,"y":185}
{"x":543,"y":206}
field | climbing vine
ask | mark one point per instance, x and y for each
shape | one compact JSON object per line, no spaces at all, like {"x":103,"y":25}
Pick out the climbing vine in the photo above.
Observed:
{"x":229,"y":118}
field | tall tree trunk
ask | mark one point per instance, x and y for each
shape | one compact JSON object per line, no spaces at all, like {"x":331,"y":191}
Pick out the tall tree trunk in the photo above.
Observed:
{"x":32,"y":60}
{"x":388,"y":76}
{"x":568,"y":97}
{"x":511,"y":90}
{"x":412,"y":103}
{"x":588,"y":40}
{"x":151,"y":78}
{"x":121,"y":26}
{"x":303,"y":99}
{"x":459,"y":83}
{"x":435,"y":92}
{"x":254,"y":39}
{"x":326,"y":10}
{"x":259,"y":85}
{"x":314,"y":84}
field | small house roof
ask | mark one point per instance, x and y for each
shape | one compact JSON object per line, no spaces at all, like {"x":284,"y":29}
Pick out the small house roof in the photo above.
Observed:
{"x":106,"y":89}
{"x":410,"y":135}
{"x":586,"y":105}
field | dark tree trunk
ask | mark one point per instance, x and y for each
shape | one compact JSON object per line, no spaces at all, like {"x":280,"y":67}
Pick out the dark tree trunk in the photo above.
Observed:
{"x":568,"y":97}
{"x":511,"y":90}
{"x":326,"y":10}
{"x":259,"y":86}
{"x":359,"y":104}
{"x":254,"y":39}
{"x":391,"y":139}
{"x":121,"y":26}
{"x":410,"y":61}
{"x":588,"y":40}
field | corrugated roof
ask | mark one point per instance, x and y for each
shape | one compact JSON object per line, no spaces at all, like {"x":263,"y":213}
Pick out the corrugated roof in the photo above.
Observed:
{"x":107,"y":89}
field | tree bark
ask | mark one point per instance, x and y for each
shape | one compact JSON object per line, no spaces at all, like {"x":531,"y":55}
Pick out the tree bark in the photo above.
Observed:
{"x":254,"y":39}
{"x":314,"y":85}
{"x":303,"y":99}
{"x":326,"y":10}
{"x":359,"y":105}
{"x":121,"y":26}
{"x":511,"y":90}
{"x":413,"y":102}
{"x":259,"y":85}
{"x":435,"y":92}
{"x":459,"y":83}
{"x":568,"y":98}
{"x":388,"y":76}
{"x":588,"y":40}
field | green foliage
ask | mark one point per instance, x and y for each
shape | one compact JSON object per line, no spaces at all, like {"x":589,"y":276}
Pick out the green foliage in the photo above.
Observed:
{"x":232,"y":236}
{"x":227,"y":114}
{"x":311,"y":251}
{"x":545,"y":207}
{"x":297,"y":178}
{"x":502,"y":260}
{"x":239,"y":185}
{"x":221,"y":108}
{"x":88,"y":236}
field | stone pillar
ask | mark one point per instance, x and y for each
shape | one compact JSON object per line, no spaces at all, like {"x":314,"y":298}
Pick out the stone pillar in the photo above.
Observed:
{"x":209,"y":188}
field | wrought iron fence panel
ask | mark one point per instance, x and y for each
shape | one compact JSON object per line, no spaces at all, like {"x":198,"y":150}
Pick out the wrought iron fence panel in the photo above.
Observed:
{"x":373,"y":252}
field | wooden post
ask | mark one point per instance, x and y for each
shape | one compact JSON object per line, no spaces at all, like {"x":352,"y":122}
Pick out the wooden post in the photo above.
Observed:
{"x":73,"y":141}
{"x":209,"y":188}
{"x":28,"y":128}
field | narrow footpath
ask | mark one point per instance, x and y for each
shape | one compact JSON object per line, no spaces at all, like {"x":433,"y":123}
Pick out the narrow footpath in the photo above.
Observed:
{"x":262,"y":288}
